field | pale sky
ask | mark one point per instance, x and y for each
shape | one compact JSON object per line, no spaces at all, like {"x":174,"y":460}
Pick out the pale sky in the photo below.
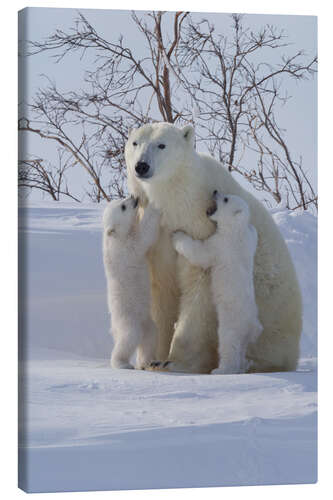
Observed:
{"x":299,"y":116}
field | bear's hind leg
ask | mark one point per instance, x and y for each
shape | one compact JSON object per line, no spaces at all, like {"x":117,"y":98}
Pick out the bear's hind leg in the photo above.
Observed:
{"x":194,"y":344}
{"x":165,"y":291}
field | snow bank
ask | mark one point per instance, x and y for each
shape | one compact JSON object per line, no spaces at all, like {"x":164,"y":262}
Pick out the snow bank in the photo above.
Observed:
{"x":300,"y":233}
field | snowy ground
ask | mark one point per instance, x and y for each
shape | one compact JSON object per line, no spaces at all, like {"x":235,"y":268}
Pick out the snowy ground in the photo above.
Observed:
{"x":85,"y":426}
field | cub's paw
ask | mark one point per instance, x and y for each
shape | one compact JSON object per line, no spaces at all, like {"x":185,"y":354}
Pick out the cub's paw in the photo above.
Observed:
{"x":231,"y":364}
{"x":122,"y":365}
{"x":227,"y":370}
{"x":219,"y":371}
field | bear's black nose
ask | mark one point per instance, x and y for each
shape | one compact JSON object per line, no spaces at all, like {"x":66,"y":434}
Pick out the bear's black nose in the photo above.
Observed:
{"x":141,"y":168}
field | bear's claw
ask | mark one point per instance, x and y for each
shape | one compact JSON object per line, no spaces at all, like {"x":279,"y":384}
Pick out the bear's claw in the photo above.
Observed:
{"x":158,"y":365}
{"x":155,"y":364}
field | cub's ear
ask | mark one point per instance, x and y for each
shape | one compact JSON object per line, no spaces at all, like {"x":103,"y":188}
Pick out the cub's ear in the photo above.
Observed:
{"x":188,"y":134}
{"x":110,"y":231}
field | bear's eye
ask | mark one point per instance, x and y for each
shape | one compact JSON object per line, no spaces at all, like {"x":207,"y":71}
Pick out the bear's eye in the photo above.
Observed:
{"x":226,"y":200}
{"x":135,"y":143}
{"x":161,"y":146}
{"x":123,"y":207}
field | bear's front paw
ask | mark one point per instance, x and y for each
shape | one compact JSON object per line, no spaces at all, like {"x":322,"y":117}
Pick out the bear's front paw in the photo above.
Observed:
{"x":169,"y":366}
{"x":161,"y":366}
{"x":143,"y":365}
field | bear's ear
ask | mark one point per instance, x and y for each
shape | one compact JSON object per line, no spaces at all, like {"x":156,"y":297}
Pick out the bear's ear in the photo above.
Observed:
{"x":110,"y":231}
{"x":188,"y":134}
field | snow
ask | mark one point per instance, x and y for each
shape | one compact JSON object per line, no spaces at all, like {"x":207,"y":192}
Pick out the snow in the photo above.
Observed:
{"x":300,"y":232}
{"x":85,"y":426}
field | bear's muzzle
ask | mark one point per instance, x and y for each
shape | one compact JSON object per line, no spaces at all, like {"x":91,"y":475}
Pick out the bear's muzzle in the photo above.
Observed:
{"x":142,"y":169}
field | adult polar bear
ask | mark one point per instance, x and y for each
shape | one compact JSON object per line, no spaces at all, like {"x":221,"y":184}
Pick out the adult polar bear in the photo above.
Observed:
{"x":165,"y":170}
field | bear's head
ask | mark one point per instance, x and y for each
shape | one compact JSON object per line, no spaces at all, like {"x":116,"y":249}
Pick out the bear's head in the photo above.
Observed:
{"x":155,"y":151}
{"x":228,"y":210}
{"x":120,"y":216}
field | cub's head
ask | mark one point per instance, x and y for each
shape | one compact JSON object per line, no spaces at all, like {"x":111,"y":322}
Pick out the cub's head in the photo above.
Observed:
{"x":154,"y":152}
{"x":228,"y":209}
{"x":119,"y":217}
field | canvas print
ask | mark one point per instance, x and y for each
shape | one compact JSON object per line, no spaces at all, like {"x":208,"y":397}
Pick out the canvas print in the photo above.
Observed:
{"x":167,"y":249}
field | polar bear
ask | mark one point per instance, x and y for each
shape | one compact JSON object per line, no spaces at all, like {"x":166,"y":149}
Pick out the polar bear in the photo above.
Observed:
{"x":164,"y":169}
{"x":232,"y":270}
{"x":125,"y":244}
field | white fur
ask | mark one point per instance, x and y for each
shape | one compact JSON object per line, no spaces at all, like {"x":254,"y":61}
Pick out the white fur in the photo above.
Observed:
{"x":180,"y":183}
{"x":232,"y":270}
{"x":125,"y":244}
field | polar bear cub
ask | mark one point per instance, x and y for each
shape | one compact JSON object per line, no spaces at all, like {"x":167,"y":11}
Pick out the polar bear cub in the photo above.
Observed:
{"x":229,"y":252}
{"x":126,"y":241}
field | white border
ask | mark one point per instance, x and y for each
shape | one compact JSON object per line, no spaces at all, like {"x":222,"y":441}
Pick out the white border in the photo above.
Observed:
{"x":8,"y":96}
